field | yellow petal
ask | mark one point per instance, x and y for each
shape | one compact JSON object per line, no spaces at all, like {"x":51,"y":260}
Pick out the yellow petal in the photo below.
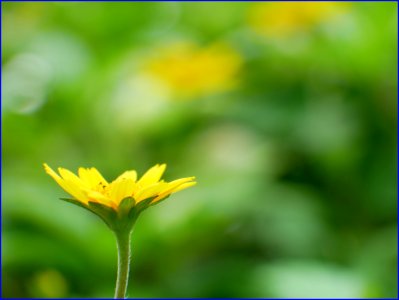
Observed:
{"x":76,"y":192}
{"x":175,"y":183}
{"x":152,"y":175}
{"x":85,"y":176}
{"x":100,"y":198}
{"x":132,"y":174}
{"x":171,"y":186}
{"x":177,"y":186}
{"x":183,"y":187}
{"x":120,"y":189}
{"x":92,"y":177}
{"x":51,"y":172}
{"x":68,"y":186}
{"x":149,"y":191}
{"x":69,"y":176}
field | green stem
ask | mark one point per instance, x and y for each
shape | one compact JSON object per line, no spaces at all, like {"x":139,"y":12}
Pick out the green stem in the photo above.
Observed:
{"x":123,"y":243}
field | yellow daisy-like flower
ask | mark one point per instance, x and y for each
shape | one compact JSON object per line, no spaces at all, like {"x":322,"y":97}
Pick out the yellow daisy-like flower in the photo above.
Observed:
{"x":118,"y":203}
{"x":125,"y":196}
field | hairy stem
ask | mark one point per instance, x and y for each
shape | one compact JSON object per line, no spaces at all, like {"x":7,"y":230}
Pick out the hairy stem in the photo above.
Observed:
{"x":123,"y":244}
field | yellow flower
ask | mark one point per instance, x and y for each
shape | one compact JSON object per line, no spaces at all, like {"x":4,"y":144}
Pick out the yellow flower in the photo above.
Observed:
{"x":124,"y":197}
{"x":90,"y":185}
{"x":118,"y":203}
{"x":282,"y":19}
{"x":190,"y":71}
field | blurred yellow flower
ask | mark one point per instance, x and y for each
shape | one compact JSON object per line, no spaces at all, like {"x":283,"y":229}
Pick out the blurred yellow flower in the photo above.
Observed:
{"x":49,"y":284}
{"x":90,"y":186}
{"x":190,"y":71}
{"x":281,"y":19}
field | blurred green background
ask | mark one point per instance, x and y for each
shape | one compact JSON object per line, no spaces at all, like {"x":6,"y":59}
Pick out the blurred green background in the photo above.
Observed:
{"x":285,"y":113}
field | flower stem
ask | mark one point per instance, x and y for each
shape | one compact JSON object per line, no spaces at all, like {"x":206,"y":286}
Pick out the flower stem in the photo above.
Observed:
{"x":123,"y":244}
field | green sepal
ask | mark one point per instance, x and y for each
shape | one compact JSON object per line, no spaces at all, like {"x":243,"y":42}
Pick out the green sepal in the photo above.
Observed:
{"x":122,"y":219}
{"x":125,"y":206}
{"x":75,"y":202}
{"x":123,"y":222}
{"x":142,"y":205}
{"x":159,"y":201}
{"x":105,"y":212}
{"x":128,"y":212}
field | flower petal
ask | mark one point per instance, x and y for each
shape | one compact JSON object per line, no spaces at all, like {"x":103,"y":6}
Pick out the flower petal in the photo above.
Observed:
{"x":132,"y":174}
{"x":51,"y":172}
{"x":183,"y":187}
{"x":85,"y":176}
{"x":67,"y":185}
{"x":150,"y":191}
{"x":69,"y":176}
{"x":100,"y":198}
{"x":120,"y":189}
{"x":152,"y":175}
{"x":92,"y":177}
{"x":175,"y":186}
{"x":175,"y":183}
{"x":76,"y":192}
